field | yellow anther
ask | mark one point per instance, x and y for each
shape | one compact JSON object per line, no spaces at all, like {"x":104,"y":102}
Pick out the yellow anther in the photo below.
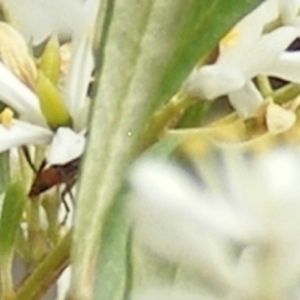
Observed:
{"x":230,"y":38}
{"x":6,"y":117}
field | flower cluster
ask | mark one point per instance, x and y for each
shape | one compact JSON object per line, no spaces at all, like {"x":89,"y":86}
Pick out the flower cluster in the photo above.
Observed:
{"x":46,"y":65}
{"x":47,"y":111}
{"x":237,"y":228}
{"x":256,"y":45}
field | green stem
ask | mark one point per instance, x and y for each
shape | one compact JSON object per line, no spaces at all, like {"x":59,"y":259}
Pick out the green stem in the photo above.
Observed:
{"x":45,"y":274}
{"x":286,"y":93}
{"x":6,"y":279}
{"x":264,"y":85}
{"x":22,"y":247}
{"x":36,"y":236}
{"x":51,"y":206}
{"x":164,"y":118}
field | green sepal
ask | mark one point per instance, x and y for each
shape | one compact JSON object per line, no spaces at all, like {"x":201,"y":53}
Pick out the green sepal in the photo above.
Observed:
{"x":50,"y":60}
{"x":52,"y":103}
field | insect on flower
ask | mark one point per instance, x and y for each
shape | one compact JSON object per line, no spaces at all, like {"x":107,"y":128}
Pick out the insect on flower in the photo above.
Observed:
{"x":54,"y":175}
{"x":46,"y":178}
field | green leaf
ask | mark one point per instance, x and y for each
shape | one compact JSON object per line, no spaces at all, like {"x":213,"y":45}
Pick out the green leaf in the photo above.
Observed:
{"x":10,"y":219}
{"x":145,"y":49}
{"x":112,"y":268}
{"x":9,"y":225}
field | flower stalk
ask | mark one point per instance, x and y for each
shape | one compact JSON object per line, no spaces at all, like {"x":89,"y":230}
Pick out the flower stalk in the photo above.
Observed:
{"x":44,"y":275}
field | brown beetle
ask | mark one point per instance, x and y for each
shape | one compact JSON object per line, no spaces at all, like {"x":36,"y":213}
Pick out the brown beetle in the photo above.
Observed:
{"x":54,"y":175}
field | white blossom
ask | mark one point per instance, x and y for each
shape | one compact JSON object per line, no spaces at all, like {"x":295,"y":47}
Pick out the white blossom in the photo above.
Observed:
{"x":39,"y":19}
{"x":246,"y":52}
{"x":198,"y":227}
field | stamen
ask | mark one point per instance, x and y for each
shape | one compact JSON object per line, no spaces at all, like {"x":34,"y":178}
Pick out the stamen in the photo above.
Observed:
{"x":6,"y":117}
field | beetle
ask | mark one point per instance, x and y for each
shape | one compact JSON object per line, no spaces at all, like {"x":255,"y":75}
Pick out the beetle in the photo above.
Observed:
{"x":46,"y":178}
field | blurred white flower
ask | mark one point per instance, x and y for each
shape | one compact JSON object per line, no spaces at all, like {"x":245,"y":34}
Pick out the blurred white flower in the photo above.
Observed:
{"x":245,"y":52}
{"x":39,"y":19}
{"x":238,"y":229}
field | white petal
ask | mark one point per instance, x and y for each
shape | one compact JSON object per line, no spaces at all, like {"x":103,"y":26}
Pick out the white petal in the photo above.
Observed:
{"x":210,"y":82}
{"x":169,"y":191}
{"x":247,"y":272}
{"x":22,"y":133}
{"x":272,"y":8}
{"x":286,"y":67}
{"x":80,"y":120}
{"x":288,"y":10}
{"x":231,"y":72}
{"x":267,"y":50}
{"x":19,"y":97}
{"x":246,"y":100}
{"x":244,"y":35}
{"x":280,"y":170}
{"x":79,"y":76}
{"x":38,"y":19}
{"x":66,"y":146}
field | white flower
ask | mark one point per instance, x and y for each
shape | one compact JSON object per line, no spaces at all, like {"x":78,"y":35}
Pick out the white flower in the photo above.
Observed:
{"x":31,"y":126}
{"x":288,"y":63}
{"x":251,"y":204}
{"x":39,"y":19}
{"x":244,"y":53}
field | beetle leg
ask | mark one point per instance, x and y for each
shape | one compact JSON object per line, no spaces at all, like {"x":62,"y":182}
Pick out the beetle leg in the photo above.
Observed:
{"x":67,"y":191}
{"x":28,"y":158}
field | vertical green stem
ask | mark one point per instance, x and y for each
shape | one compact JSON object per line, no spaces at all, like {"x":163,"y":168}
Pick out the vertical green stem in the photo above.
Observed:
{"x":36,"y":237}
{"x":264,"y":85}
{"x":6,"y":279}
{"x":51,"y":207}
